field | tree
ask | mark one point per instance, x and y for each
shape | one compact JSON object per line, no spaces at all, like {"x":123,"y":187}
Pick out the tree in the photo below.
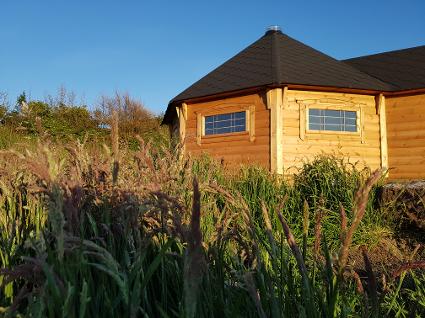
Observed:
{"x":4,"y":101}
{"x":38,"y":108}
{"x":134,"y":119}
{"x":4,"y":105}
{"x":21,"y":100}
{"x":63,"y":97}
{"x":58,"y":117}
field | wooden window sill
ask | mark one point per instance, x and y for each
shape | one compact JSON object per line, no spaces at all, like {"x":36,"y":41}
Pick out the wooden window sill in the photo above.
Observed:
{"x":333,"y":133}
{"x":239,"y":133}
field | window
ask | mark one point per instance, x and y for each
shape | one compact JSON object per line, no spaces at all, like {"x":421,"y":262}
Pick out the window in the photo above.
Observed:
{"x":225,"y":123}
{"x":226,"y":120}
{"x":332,"y":120}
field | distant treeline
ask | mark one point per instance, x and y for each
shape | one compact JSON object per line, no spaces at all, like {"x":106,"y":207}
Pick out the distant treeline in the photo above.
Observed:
{"x":62,"y":119}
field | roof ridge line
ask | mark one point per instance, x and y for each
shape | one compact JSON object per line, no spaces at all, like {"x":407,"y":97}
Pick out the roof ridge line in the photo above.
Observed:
{"x":275,"y":59}
{"x":342,"y":62}
{"x":373,"y":76}
{"x":385,"y":52}
{"x":368,"y":74}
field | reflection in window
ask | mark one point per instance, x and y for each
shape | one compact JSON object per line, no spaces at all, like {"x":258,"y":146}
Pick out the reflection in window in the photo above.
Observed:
{"x":332,"y":120}
{"x":225,"y":123}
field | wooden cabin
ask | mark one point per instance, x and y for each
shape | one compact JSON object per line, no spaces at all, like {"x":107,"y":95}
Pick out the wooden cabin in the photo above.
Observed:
{"x":279,"y":102}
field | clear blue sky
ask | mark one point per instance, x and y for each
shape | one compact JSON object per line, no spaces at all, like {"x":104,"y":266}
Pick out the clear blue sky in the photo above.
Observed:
{"x":154,"y":49}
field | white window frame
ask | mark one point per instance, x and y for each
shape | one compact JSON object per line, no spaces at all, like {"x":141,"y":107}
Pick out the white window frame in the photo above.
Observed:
{"x":330,"y":104}
{"x":204,"y":118}
{"x":325,"y":131}
{"x":249,"y":131}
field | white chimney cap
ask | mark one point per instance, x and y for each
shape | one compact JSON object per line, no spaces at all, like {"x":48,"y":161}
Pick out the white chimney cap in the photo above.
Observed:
{"x":274,"y":28}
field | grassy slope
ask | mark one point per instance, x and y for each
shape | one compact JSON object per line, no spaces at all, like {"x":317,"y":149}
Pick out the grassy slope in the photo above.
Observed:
{"x":94,"y":234}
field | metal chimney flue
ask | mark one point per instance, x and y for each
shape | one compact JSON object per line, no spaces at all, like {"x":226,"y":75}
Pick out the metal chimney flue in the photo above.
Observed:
{"x":273,"y":29}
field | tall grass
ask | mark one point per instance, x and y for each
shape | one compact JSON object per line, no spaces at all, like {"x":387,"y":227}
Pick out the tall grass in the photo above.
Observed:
{"x":101,"y":233}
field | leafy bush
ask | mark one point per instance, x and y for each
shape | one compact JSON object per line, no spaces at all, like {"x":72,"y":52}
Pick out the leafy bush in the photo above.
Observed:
{"x":61,"y":120}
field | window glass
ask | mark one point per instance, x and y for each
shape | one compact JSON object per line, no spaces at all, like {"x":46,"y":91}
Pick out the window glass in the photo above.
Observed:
{"x":225,"y":123}
{"x":315,"y":112}
{"x":332,"y":120}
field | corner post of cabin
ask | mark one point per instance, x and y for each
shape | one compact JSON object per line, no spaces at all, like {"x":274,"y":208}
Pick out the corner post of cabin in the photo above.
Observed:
{"x":275,"y":102}
{"x":382,"y":130}
{"x":182,"y":115}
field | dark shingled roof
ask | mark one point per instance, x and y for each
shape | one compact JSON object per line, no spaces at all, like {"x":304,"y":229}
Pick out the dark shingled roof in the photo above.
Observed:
{"x":404,"y":69}
{"x":277,"y":59}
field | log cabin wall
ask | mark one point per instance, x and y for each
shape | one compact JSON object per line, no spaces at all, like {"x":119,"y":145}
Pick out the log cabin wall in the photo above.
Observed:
{"x":406,"y":136}
{"x":300,"y":143}
{"x":232,"y":149}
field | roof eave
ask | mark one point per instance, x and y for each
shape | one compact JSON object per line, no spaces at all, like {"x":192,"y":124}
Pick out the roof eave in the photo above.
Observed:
{"x":173,"y":103}
{"x":403,"y":92}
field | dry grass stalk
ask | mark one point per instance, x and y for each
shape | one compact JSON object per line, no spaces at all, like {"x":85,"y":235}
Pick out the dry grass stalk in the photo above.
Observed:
{"x":306,"y":218}
{"x":282,"y":203}
{"x":73,"y":197}
{"x":385,"y":288}
{"x":223,"y":226}
{"x":195,"y":224}
{"x":33,"y":271}
{"x":294,"y":247}
{"x":343,"y":222}
{"x":114,"y":134}
{"x":269,"y":229}
{"x":161,"y":206}
{"x":250,"y":248}
{"x":415,"y":251}
{"x":408,"y":266}
{"x":39,"y":126}
{"x":253,"y":292}
{"x":359,"y":285}
{"x":195,"y":264}
{"x":359,"y":210}
{"x":371,"y":278}
{"x":115,"y":146}
{"x":56,"y":218}
{"x":306,"y":225}
{"x":318,"y":230}
{"x":229,"y":198}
